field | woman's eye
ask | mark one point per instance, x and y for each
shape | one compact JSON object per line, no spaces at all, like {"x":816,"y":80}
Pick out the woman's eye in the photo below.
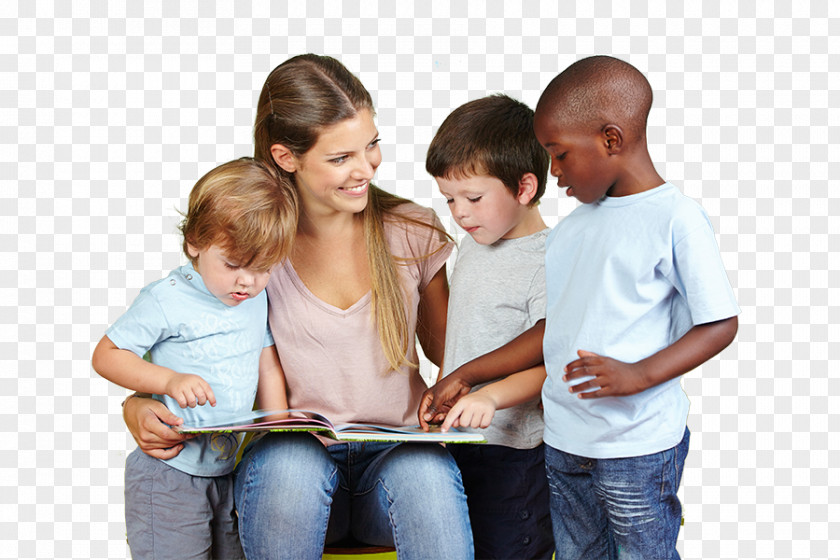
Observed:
{"x":374,"y":143}
{"x":339,"y":159}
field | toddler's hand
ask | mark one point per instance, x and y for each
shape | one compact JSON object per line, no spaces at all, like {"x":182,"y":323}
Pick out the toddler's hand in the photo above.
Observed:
{"x":611,"y":378}
{"x":190,"y":390}
{"x":439,"y":398}
{"x":475,"y":410}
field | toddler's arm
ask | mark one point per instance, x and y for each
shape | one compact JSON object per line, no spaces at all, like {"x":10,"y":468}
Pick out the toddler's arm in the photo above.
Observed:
{"x":271,"y":387}
{"x":127,"y":369}
{"x":523,"y":352}
{"x":613,"y":378}
{"x":476,"y":410}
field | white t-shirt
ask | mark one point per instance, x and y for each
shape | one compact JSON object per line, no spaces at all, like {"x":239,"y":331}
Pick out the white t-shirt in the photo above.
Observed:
{"x":332,"y":358}
{"x":627,"y":277}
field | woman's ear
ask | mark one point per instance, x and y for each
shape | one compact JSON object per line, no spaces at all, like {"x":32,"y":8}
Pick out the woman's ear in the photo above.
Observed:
{"x":284,"y":157}
{"x":527,"y":189}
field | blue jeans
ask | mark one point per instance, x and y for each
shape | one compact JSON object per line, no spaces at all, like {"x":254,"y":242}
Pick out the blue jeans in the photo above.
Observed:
{"x":293,"y":494}
{"x":616,"y":508}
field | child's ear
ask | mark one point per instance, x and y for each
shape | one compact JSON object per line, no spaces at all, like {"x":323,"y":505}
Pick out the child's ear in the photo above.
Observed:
{"x":613,"y":138}
{"x":284,"y":157}
{"x":527,"y":189}
{"x":192,"y":250}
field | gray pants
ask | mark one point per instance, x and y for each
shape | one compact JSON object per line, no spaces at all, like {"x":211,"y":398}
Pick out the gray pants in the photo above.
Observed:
{"x":171,"y":514}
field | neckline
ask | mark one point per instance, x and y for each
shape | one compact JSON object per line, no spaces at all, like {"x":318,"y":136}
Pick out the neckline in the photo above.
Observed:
{"x":361,"y":303}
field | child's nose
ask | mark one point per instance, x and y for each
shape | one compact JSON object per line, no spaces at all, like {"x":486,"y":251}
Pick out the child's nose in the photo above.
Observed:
{"x":459,"y":210}
{"x":245,"y":278}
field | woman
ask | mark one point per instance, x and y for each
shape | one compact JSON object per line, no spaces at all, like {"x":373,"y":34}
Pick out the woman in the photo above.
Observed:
{"x":367,"y":272}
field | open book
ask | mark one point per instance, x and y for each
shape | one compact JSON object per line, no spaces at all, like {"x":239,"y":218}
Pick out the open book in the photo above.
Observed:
{"x":308,"y":421}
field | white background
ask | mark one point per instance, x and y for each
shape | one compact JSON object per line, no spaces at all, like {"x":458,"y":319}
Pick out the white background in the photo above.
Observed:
{"x":109,"y":114}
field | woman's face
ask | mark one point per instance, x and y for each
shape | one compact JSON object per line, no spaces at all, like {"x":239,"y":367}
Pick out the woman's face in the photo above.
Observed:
{"x":335,"y":174}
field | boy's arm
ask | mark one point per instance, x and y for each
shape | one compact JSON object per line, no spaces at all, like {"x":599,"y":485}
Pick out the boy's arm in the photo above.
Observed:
{"x":127,"y":369}
{"x":476,"y":410}
{"x":271,"y":387}
{"x":523,"y":352}
{"x":613,"y":378}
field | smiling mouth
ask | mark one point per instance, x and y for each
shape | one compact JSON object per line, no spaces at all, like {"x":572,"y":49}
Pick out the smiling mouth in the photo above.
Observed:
{"x":355,"y":190}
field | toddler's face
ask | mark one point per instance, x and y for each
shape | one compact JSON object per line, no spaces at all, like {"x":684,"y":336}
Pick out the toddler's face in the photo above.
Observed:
{"x":224,"y":278}
{"x":579,"y":159}
{"x":483,"y":207}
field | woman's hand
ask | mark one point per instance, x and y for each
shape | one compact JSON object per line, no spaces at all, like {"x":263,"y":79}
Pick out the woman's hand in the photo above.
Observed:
{"x":149,"y":422}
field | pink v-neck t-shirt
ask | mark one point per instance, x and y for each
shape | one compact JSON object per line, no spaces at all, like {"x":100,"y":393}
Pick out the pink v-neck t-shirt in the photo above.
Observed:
{"x":332,"y":357}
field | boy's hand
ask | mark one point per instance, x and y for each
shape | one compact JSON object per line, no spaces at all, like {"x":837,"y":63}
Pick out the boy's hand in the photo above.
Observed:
{"x":475,"y":410}
{"x":439,"y":398}
{"x":189,"y":390}
{"x":611,"y":377}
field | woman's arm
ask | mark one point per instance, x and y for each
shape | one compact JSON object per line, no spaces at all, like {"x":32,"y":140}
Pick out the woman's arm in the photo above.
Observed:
{"x":149,"y":422}
{"x":431,"y":316}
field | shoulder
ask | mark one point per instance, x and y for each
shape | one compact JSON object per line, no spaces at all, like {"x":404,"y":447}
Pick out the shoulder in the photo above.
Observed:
{"x":411,"y":213}
{"x":414,"y":224}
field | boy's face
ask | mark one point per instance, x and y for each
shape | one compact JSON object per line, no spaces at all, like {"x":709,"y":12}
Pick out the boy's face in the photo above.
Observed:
{"x":483,"y":207}
{"x":224,"y":278}
{"x":579,"y":159}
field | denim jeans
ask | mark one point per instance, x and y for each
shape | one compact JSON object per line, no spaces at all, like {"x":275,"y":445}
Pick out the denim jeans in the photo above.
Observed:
{"x":616,"y":508}
{"x":293,"y":494}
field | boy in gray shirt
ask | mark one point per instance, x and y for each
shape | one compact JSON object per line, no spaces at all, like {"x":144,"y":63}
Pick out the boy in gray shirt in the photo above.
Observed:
{"x":492,"y":171}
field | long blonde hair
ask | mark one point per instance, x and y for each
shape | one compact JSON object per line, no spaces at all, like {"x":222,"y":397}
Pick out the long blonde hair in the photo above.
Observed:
{"x":300,"y":98}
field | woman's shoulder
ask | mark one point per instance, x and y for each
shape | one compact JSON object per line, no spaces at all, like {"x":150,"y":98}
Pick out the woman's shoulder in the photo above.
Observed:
{"x":408,"y":212}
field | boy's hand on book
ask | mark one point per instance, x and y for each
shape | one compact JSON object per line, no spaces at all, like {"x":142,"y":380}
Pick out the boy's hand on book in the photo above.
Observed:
{"x":605,"y":377}
{"x":439,"y":398}
{"x":475,"y":410}
{"x":190,"y":390}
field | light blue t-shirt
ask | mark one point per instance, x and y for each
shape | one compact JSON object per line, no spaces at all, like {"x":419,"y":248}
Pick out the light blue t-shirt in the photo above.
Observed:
{"x":627,"y":277}
{"x":187,"y":329}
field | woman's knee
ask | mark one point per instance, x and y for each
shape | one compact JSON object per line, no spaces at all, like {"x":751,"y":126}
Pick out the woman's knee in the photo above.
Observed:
{"x":281,"y":464}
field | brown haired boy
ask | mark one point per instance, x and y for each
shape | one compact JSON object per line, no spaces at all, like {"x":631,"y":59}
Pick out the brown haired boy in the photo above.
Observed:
{"x":492,"y":171}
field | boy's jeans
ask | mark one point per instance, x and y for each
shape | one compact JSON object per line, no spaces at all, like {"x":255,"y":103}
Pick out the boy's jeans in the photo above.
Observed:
{"x":616,"y":508}
{"x":293,"y":494}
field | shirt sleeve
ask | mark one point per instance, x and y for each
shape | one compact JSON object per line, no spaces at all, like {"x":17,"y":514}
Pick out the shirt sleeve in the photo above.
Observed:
{"x":142,"y":326}
{"x":269,"y":340}
{"x":700,"y":277}
{"x":427,"y":247}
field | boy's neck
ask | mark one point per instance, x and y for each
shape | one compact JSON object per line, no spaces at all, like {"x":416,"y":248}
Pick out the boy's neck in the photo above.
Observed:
{"x":530,"y":224}
{"x":638,"y":175}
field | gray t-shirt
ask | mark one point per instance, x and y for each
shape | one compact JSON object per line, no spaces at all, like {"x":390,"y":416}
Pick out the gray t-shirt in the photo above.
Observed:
{"x":497,"y":292}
